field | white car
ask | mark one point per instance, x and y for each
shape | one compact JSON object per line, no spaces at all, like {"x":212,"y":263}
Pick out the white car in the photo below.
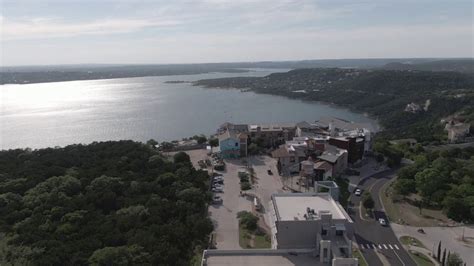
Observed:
{"x":218,"y":178}
{"x":217,"y":189}
{"x":358,"y":192}
{"x":382,"y":222}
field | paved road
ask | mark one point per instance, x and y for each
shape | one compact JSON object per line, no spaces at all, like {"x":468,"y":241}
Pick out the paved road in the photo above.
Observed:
{"x":378,"y":243}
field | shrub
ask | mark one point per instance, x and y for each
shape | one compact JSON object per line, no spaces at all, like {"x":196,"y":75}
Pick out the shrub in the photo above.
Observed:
{"x":245,"y":186}
{"x":248,"y":220}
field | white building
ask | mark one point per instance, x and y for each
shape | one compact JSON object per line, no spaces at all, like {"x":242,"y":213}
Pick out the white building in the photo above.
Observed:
{"x":311,"y":221}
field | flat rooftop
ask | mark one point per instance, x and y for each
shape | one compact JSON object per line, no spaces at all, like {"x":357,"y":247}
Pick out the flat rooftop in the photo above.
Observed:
{"x":293,"y":206}
{"x":263,"y":260}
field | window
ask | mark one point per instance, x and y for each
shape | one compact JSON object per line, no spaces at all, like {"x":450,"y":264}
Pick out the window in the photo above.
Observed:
{"x":292,"y":159}
{"x":339,"y":232}
{"x":236,"y":144}
{"x":325,"y":252}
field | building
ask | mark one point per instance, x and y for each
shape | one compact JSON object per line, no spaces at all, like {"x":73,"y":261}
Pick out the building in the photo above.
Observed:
{"x":337,"y":158}
{"x":271,"y":135}
{"x":305,"y":129}
{"x":237,"y":128}
{"x":311,"y":221}
{"x":355,"y":147}
{"x":413,"y":108}
{"x":232,"y":144}
{"x":289,"y":156}
{"x":457,"y":132}
{"x":322,"y":170}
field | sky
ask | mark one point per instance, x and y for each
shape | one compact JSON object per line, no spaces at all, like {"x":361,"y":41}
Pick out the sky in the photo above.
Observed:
{"x":49,"y":32}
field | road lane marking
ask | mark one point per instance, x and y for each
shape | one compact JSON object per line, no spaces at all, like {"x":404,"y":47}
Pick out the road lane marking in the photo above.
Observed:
{"x":396,"y":247}
{"x":400,"y":259}
{"x":380,"y":246}
{"x":373,"y":246}
{"x":390,"y":246}
{"x":385,"y":246}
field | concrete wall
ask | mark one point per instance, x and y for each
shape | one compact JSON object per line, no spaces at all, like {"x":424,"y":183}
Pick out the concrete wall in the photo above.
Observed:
{"x":304,"y":234}
{"x":297,"y":234}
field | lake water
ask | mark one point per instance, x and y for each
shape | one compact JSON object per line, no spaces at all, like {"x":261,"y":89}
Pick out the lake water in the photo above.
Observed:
{"x":62,"y":113}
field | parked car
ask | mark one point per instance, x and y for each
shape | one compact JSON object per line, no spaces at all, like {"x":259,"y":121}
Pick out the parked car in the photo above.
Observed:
{"x":218,"y":182}
{"x":218,"y":186}
{"x":216,"y":199}
{"x":269,"y":172}
{"x":382,"y":222}
{"x":217,"y":189}
{"x":358,"y":192}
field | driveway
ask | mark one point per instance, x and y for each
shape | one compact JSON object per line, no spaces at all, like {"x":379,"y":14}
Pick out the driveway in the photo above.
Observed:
{"x":224,"y":216}
{"x":266,"y":184}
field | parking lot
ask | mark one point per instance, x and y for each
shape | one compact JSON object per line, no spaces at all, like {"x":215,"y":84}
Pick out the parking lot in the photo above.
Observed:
{"x":224,"y":215}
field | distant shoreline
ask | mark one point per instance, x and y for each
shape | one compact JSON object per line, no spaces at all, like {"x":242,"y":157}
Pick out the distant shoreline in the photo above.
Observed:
{"x":21,"y":78}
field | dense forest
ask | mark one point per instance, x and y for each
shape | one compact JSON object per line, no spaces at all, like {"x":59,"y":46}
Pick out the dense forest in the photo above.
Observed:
{"x":384,"y":94}
{"x":109,"y":203}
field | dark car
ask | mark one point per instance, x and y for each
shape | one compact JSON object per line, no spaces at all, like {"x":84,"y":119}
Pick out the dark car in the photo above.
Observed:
{"x":269,"y":172}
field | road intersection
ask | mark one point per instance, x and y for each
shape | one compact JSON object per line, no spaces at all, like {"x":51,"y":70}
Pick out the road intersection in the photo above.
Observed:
{"x":378,"y":244}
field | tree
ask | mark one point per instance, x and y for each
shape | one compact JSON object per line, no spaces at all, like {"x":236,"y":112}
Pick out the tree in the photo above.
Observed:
{"x":214,"y":142}
{"x":152,"y":143}
{"x":131,"y":255}
{"x":428,"y":182}
{"x":367,"y":200}
{"x":253,"y":148}
{"x":200,"y":139}
{"x":404,"y":186}
{"x":454,"y":260}
{"x":439,"y":252}
{"x":181,"y":157}
{"x":444,"y":258}
{"x":248,"y":220}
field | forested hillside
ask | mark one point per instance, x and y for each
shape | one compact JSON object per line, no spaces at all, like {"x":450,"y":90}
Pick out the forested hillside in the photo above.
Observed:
{"x":110,"y":203}
{"x":381,"y":93}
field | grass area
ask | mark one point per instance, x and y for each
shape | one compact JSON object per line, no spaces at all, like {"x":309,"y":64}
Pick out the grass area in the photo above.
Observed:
{"x":249,"y":239}
{"x":421,"y":259}
{"x":366,"y":213}
{"x":409,"y":240}
{"x":357,"y":254}
{"x":402,"y":212}
{"x":262,"y":241}
{"x":197,"y":258}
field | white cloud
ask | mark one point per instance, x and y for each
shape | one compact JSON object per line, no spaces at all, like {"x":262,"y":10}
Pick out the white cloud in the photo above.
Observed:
{"x":35,"y":28}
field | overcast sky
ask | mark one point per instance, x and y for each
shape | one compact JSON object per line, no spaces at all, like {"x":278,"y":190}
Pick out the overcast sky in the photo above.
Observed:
{"x":36,"y":32}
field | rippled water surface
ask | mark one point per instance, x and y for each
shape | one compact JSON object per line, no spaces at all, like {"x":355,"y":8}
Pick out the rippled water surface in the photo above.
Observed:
{"x":62,"y":113}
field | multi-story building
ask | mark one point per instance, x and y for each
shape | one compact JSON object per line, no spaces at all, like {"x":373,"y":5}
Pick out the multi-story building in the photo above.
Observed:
{"x":271,"y":135}
{"x":289,"y":156}
{"x":337,"y":158}
{"x":232,"y":144}
{"x":311,"y":221}
{"x":355,"y":146}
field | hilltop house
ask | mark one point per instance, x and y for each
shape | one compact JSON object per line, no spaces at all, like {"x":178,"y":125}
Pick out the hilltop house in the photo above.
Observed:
{"x":457,"y":131}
